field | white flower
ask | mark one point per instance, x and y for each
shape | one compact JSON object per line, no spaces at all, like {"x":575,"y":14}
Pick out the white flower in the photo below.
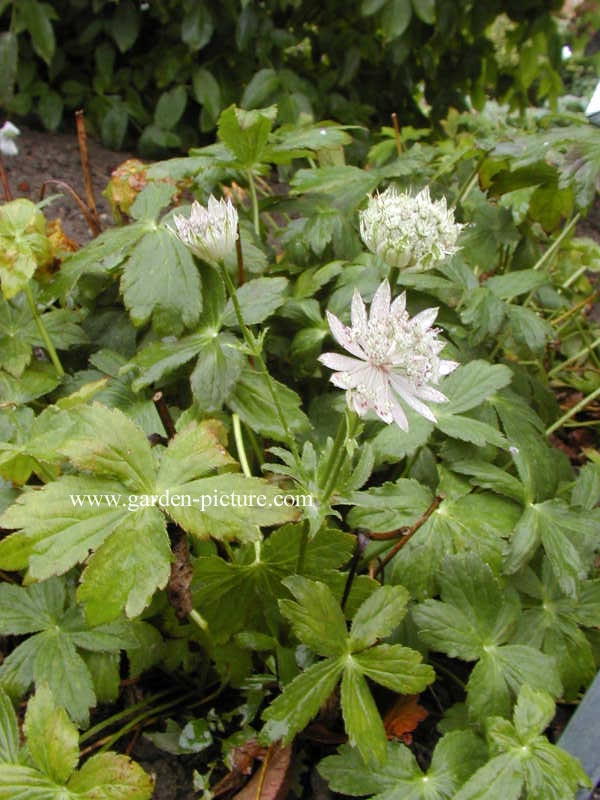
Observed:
{"x":8,"y":133}
{"x":408,"y":230}
{"x":394,"y":357}
{"x":211,"y":232}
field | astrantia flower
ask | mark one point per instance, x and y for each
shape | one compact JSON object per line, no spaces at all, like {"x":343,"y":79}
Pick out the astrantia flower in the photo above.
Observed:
{"x":408,"y":230}
{"x":8,"y":133}
{"x":393,"y":358}
{"x":211,"y":232}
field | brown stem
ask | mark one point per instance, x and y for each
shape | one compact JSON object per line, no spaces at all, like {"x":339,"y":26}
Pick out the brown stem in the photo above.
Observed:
{"x":180,"y":579}
{"x":407,"y":536}
{"x":91,"y":222}
{"x":397,"y":133}
{"x":164,"y":414}
{"x":85,"y":168}
{"x":5,"y":185}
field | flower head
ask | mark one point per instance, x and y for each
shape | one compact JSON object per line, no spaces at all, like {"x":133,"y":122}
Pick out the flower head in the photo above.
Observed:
{"x":8,"y":133}
{"x":393,"y":358}
{"x":408,"y":230}
{"x":210,"y":232}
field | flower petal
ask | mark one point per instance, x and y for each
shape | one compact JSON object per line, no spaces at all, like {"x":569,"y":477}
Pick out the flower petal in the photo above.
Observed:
{"x":406,"y":392}
{"x":340,"y":363}
{"x":380,"y":305}
{"x":342,"y":335}
{"x":358,"y":312}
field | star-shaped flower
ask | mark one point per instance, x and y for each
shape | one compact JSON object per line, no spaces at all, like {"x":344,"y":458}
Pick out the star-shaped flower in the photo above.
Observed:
{"x":210,"y":232}
{"x":393,"y":358}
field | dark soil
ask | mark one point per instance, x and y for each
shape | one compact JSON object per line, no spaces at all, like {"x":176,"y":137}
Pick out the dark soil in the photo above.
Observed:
{"x":43,"y":156}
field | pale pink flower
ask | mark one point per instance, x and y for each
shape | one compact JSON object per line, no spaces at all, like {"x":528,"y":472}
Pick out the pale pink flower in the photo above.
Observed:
{"x":394,"y":358}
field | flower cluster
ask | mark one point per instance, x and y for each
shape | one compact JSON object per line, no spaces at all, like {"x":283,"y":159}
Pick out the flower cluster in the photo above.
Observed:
{"x":407,"y":230}
{"x":210,"y":232}
{"x":8,"y":134}
{"x":393,"y":358}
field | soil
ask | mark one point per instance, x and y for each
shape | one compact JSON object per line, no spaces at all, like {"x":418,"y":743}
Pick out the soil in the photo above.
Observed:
{"x":43,"y":156}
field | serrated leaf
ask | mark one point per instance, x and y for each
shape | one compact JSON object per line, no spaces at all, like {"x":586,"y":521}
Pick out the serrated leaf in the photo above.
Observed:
{"x":162,"y":282}
{"x":25,"y":783}
{"x":9,"y":731}
{"x":395,"y":667}
{"x":361,"y":717}
{"x":52,"y":739}
{"x":218,"y":367}
{"x":111,"y":776}
{"x":133,"y":562}
{"x":472,"y":384}
{"x":245,"y":133}
{"x":258,"y":299}
{"x":378,"y":616}
{"x":316,"y":616}
{"x":514,"y":284}
{"x":389,"y":506}
{"x":301,"y":700}
{"x":252,"y":400}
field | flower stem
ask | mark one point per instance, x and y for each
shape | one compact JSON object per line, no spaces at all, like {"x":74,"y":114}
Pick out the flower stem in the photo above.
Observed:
{"x":239,"y":443}
{"x":257,"y":354}
{"x":43,"y":332}
{"x":576,"y":357}
{"x":346,"y":430}
{"x":254,"y":199}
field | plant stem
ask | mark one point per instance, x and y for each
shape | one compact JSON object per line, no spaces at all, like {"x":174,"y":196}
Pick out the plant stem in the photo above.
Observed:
{"x":254,"y":199}
{"x":164,"y":414}
{"x":408,"y":535}
{"x":239,"y":443}
{"x":573,"y":411}
{"x":397,"y":133}
{"x":85,"y":168}
{"x":196,"y":617}
{"x":43,"y":332}
{"x":5,"y":183}
{"x":106,"y":723}
{"x":576,"y":357}
{"x":250,"y":342}
{"x":346,"y":431}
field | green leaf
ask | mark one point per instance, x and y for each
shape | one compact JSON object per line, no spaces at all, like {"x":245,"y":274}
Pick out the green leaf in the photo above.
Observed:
{"x":133,"y":562}
{"x":301,"y":700}
{"x":389,"y":506}
{"x":111,"y":776}
{"x":161,"y":282}
{"x":469,"y":430}
{"x":514,"y":284}
{"x":472,"y":384}
{"x":9,"y":731}
{"x":251,"y":399}
{"x":395,"y":17}
{"x":258,"y":299}
{"x":378,"y":616}
{"x":316,"y":617}
{"x":559,"y":531}
{"x":124,"y":26}
{"x":197,"y":26}
{"x":58,"y":665}
{"x":392,"y":444}
{"x":30,"y":609}
{"x":114,"y":127}
{"x":106,"y":442}
{"x":170,"y":107}
{"x":477,"y":523}
{"x":52,"y":739}
{"x":456,"y":756}
{"x":260,"y":89}
{"x":425,"y":10}
{"x":151,"y":200}
{"x":529,"y":329}
{"x":217,"y":370}
{"x":8,"y":65}
{"x":361,"y":718}
{"x":26,"y":783}
{"x":586,"y":492}
{"x":50,"y":109}
{"x":524,"y":763}
{"x":207,"y":92}
{"x":488,"y":476}
{"x":245,"y":133}
{"x":395,"y":667}
{"x":37,"y":21}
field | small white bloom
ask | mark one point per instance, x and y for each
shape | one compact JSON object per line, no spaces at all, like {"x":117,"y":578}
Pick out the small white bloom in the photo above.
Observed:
{"x":8,"y":133}
{"x":408,"y":230}
{"x":210,"y":232}
{"x":394,"y":357}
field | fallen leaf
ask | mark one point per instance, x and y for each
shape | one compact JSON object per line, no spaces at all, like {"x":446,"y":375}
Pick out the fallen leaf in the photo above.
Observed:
{"x":403,"y":717}
{"x":272,"y":780}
